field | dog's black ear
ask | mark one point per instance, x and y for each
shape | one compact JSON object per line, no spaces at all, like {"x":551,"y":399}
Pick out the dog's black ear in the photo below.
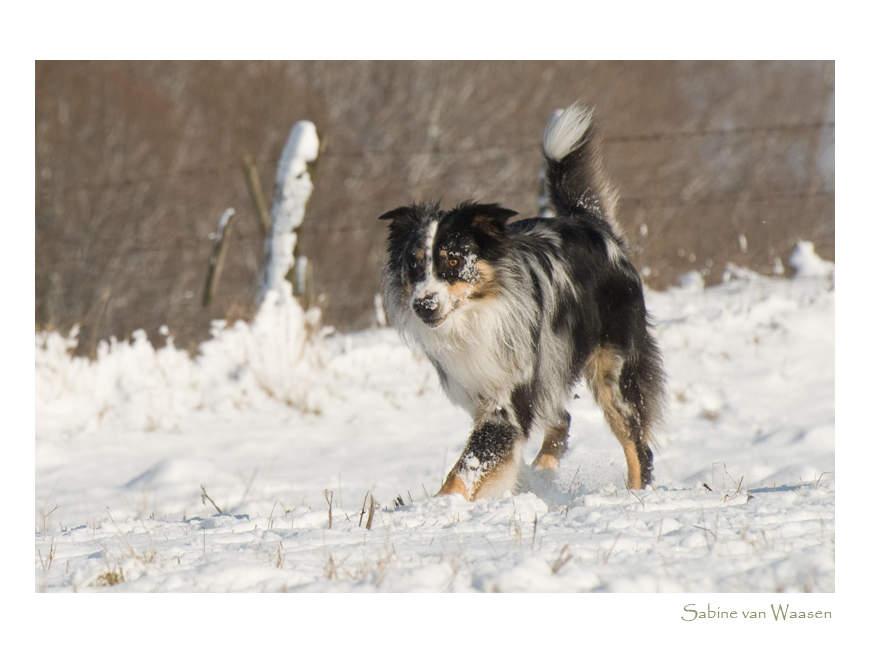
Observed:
{"x":404,"y":216}
{"x":490,"y":219}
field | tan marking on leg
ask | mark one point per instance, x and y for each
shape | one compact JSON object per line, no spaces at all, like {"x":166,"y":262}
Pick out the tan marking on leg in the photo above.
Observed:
{"x":453,"y":485}
{"x":496,"y":482}
{"x":633,"y":481}
{"x":553,"y":447}
{"x":545,"y":461}
{"x":500,"y":478}
{"x":602,"y":374}
{"x":491,"y":484}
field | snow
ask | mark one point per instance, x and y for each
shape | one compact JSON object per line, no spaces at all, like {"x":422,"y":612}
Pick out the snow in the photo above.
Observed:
{"x":807,"y":263}
{"x":293,"y":187}
{"x":135,"y":450}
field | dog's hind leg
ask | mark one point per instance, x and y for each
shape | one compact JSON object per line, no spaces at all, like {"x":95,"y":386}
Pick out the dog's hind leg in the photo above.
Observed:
{"x":555,"y":443}
{"x":490,"y":463}
{"x":615,"y":389}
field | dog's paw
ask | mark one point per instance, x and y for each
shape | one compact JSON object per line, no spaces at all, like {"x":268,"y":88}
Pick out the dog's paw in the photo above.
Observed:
{"x":543,"y":473}
{"x":453,"y":485}
{"x":545,"y":462}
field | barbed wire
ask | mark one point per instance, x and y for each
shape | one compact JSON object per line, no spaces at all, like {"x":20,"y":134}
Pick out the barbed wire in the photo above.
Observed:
{"x":680,"y":135}
{"x":436,"y":151}
{"x":731,"y":131}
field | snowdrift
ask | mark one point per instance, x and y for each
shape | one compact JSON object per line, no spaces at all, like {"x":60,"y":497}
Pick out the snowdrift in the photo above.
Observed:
{"x":283,"y":458}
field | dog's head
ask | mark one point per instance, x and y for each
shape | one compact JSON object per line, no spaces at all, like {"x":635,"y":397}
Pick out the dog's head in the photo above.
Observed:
{"x":439,"y":261}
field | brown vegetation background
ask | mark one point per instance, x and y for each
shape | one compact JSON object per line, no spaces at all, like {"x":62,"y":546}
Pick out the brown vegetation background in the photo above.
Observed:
{"x":136,"y":161}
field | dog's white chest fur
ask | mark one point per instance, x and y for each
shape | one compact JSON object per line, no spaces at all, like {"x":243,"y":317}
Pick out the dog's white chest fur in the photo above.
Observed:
{"x":477,"y":362}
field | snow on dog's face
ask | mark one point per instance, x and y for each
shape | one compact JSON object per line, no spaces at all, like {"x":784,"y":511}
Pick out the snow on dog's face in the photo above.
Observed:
{"x":441,"y":260}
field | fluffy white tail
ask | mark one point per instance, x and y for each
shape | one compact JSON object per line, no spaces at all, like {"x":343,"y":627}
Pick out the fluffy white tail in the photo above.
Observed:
{"x":576,"y":182}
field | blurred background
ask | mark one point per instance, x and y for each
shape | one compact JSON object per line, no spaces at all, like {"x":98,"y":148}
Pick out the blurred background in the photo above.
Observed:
{"x":716,"y":162}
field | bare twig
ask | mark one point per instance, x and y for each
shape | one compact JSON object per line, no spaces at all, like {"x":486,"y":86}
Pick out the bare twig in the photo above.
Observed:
{"x":121,"y":535}
{"x":565,"y":556}
{"x":612,"y":546}
{"x":205,"y":497}
{"x":44,"y":517}
{"x":534,"y":532}
{"x":363,"y":510}
{"x":46,"y":564}
{"x":704,"y":527}
{"x":328,"y":495}
{"x":571,"y":486}
{"x":801,"y":494}
{"x":700,"y":527}
{"x":371,"y":512}
{"x":249,"y":484}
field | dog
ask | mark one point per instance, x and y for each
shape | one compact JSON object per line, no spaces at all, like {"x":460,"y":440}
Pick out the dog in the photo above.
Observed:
{"x":513,"y":314}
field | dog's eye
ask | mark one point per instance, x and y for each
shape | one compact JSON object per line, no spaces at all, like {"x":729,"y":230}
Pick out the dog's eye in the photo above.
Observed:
{"x":453,"y":262}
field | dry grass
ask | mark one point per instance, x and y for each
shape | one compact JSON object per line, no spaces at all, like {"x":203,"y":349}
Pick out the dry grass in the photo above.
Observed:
{"x":565,"y":555}
{"x":46,"y":563}
{"x":117,"y":565}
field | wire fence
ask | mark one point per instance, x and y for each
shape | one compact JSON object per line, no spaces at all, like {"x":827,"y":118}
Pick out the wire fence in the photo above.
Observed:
{"x":437,"y":150}
{"x":673,"y":202}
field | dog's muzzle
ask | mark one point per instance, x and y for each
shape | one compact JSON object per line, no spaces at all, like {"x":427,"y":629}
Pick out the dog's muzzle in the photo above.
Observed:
{"x":427,"y":309}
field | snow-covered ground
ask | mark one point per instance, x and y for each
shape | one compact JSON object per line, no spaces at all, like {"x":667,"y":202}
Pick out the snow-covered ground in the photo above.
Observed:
{"x":255,"y":466}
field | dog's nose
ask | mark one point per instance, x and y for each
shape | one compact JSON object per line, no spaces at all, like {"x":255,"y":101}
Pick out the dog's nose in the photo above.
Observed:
{"x":426,"y":306}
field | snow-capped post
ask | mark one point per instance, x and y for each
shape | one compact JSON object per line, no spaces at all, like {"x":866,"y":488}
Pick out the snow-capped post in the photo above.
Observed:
{"x":216,"y":262}
{"x":293,"y":187}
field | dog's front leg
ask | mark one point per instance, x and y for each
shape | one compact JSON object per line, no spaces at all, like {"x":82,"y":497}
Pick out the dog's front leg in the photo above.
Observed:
{"x":490,"y":462}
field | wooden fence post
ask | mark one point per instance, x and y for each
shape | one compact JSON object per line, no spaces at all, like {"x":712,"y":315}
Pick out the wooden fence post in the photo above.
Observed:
{"x":255,"y":190}
{"x":216,"y":262}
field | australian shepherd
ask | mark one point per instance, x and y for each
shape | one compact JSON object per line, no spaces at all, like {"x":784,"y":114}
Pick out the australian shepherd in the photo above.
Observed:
{"x":513,"y":314}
